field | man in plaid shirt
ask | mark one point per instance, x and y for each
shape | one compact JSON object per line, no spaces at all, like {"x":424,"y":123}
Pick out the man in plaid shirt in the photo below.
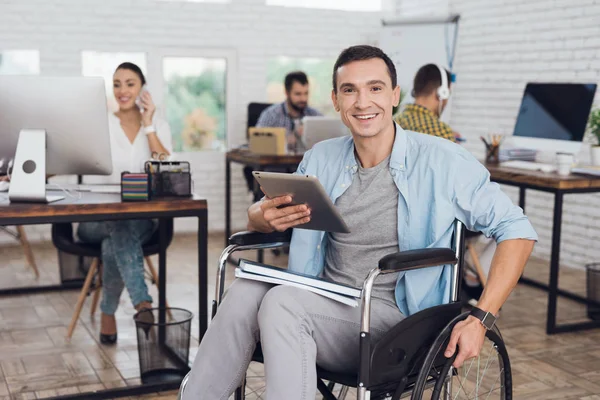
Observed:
{"x":424,"y":114}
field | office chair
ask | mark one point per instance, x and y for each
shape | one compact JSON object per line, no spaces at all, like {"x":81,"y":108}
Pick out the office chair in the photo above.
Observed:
{"x":254,"y":111}
{"x":409,"y":358}
{"x":63,"y":240}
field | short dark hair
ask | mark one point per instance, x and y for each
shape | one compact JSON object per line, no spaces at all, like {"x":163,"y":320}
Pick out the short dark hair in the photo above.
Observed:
{"x":361,"y":53}
{"x":428,"y":79}
{"x":295,"y":76}
{"x":132,"y":67}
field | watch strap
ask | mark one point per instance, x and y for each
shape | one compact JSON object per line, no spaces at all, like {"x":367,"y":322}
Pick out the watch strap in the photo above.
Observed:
{"x":149,"y":129}
{"x":487,"y":318}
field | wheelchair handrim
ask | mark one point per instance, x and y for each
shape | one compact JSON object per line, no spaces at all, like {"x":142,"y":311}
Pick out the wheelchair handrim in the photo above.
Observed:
{"x":441,"y":342}
{"x":500,"y":384}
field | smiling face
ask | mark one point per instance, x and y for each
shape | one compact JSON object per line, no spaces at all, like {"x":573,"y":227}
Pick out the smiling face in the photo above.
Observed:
{"x":365,"y":97}
{"x":126,"y":88}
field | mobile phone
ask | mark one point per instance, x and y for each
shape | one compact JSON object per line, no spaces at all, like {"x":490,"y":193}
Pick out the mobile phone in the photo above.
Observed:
{"x":138,"y":100}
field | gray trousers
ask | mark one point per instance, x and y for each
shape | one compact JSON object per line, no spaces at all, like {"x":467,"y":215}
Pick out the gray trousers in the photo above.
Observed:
{"x":297,"y":329}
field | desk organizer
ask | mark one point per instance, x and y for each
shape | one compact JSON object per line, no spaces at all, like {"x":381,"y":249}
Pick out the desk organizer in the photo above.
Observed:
{"x":135,"y":187}
{"x":169,"y":178}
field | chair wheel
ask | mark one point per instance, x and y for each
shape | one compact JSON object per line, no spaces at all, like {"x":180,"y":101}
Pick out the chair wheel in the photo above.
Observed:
{"x":487,"y":376}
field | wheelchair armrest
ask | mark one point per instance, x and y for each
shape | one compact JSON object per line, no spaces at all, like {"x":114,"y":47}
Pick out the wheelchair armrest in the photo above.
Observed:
{"x":415,"y":259}
{"x":248,"y":238}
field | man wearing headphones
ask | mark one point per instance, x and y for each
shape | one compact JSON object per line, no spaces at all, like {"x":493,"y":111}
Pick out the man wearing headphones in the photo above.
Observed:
{"x":431,"y":90}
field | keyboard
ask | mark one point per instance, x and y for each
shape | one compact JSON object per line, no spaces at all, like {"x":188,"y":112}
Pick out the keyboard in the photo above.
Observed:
{"x":99,"y":188}
{"x":530,"y":165}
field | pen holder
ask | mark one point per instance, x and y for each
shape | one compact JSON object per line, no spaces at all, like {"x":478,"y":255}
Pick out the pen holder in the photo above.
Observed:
{"x":492,"y":154}
{"x":169,"y":178}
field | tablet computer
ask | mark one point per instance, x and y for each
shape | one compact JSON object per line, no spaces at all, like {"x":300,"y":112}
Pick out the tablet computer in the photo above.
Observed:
{"x":304,"y":189}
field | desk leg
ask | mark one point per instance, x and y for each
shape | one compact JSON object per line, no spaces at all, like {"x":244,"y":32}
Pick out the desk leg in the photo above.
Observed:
{"x":203,"y":272}
{"x":227,"y":201}
{"x":162,"y":278}
{"x":522,"y":198}
{"x":554,"y":263}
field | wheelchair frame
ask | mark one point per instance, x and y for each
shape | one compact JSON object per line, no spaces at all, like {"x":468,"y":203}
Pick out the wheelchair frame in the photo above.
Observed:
{"x":401,"y":261}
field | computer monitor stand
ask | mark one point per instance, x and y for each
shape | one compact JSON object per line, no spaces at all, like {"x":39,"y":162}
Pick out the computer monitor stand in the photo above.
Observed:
{"x":28,"y":178}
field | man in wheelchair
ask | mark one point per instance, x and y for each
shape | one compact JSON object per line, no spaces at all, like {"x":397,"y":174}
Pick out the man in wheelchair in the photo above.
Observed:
{"x":397,"y":190}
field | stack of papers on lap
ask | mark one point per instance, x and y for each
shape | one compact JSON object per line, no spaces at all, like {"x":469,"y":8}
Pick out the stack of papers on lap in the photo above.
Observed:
{"x":264,"y":273}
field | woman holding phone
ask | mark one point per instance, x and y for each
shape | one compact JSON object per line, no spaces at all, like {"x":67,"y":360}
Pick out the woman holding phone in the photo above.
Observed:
{"x":136,"y":134}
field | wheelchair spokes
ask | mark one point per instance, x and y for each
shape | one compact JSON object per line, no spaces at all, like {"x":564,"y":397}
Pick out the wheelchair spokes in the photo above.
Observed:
{"x":485,"y":377}
{"x":481,"y":378}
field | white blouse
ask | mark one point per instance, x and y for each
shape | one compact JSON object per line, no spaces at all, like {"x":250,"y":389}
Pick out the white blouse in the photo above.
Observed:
{"x":127,"y":156}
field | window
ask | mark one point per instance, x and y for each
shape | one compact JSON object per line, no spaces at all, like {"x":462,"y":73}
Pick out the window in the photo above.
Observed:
{"x":195,"y":101}
{"x":319,"y":77}
{"x":345,"y":5}
{"x":19,"y":62}
{"x":103,"y":64}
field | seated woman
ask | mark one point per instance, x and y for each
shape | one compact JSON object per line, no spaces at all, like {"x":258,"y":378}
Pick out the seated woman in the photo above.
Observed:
{"x":135,"y":134}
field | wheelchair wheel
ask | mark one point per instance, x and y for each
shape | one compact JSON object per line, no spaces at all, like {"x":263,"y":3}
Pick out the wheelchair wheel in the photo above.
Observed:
{"x":487,"y":376}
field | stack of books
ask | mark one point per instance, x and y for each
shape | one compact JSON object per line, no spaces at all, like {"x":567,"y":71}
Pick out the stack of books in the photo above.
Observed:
{"x":517,"y":154}
{"x":260,"y":272}
{"x":586,"y":170}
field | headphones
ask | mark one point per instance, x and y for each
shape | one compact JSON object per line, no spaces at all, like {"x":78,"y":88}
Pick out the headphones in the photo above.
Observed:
{"x":443,"y":91}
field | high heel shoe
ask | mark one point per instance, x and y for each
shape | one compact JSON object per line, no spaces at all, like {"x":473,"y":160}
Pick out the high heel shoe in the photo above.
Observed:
{"x":145,"y":319}
{"x":108,"y":339}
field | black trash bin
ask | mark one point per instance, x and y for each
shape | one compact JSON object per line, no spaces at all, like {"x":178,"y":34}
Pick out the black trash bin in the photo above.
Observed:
{"x":593,"y":290}
{"x":163,"y":346}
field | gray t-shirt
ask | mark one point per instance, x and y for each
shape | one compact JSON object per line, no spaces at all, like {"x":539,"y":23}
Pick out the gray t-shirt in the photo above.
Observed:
{"x":370,"y":208}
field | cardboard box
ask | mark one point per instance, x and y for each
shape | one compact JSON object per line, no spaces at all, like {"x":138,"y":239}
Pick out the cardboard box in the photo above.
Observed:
{"x":267,"y":141}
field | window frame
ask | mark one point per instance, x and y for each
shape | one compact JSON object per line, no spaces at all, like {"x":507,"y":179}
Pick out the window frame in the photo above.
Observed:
{"x":38,"y":71}
{"x":157,"y":85}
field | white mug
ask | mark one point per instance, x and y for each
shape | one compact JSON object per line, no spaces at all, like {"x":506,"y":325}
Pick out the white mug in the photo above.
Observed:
{"x":564,"y":162}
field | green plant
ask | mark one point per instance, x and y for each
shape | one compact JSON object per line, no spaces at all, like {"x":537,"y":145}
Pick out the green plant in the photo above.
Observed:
{"x":594,"y":124}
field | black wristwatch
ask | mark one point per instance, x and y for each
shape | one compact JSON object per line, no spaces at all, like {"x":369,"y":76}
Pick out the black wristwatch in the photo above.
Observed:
{"x":487,"y":318}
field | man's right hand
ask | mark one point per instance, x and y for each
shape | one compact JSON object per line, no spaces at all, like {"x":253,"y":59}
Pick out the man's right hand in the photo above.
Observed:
{"x":268,"y":215}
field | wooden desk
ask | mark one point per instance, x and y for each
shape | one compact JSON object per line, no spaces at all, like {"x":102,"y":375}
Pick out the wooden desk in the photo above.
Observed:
{"x":101,"y":207}
{"x":258,"y":163}
{"x":559,"y":186}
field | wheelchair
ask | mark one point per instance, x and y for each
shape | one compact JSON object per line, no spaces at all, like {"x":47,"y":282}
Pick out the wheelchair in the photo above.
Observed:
{"x":409,"y":359}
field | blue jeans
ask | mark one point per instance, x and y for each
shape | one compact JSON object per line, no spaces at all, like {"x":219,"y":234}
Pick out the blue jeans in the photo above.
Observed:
{"x":122,"y":258}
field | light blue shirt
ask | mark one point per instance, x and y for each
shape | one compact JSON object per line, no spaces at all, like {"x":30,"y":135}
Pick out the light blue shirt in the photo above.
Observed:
{"x":438,"y":182}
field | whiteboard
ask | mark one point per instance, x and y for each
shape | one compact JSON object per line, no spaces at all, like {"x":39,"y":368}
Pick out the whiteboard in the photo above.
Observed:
{"x":411,"y":45}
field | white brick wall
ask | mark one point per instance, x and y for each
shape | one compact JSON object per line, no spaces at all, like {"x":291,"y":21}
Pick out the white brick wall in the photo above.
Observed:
{"x":61,"y":29}
{"x":502,"y":45}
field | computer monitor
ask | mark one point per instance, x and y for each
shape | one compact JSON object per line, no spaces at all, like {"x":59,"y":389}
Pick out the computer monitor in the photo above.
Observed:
{"x":52,"y":126}
{"x":553,"y":116}
{"x":317,"y":129}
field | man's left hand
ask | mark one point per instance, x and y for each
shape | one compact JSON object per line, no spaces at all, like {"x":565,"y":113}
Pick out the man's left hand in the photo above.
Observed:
{"x":468,"y":335}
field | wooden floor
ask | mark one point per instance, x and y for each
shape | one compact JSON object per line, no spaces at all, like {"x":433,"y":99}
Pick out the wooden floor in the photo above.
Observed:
{"x":36,"y":362}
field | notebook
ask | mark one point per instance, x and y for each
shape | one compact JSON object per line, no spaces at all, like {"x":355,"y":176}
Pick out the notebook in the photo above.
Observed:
{"x":265,"y":273}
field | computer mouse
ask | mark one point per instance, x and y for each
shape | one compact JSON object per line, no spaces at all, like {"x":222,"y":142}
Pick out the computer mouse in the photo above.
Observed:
{"x":4,"y":186}
{"x":547,"y":168}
